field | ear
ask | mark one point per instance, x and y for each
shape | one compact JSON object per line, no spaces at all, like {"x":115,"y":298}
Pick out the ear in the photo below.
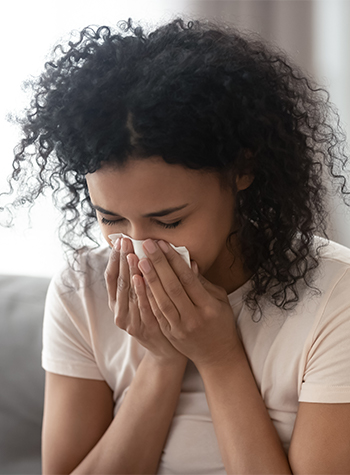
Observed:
{"x":244,"y":181}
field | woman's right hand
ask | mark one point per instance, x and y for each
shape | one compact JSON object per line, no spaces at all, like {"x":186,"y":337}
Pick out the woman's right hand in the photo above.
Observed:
{"x":131,"y":302}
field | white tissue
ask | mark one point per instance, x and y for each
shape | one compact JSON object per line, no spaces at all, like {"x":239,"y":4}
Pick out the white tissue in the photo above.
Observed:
{"x":138,"y":249}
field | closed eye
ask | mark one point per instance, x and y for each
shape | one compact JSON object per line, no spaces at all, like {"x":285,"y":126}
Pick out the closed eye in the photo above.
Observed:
{"x":111,"y":222}
{"x":169,"y":225}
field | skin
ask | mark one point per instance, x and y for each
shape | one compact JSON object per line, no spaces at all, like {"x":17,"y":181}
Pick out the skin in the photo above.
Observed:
{"x":207,"y":209}
{"x":178,"y":313}
{"x":146,"y":186}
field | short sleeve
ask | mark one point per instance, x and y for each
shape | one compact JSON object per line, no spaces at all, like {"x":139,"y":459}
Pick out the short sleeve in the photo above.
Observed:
{"x":67,"y":343}
{"x":327,"y":373}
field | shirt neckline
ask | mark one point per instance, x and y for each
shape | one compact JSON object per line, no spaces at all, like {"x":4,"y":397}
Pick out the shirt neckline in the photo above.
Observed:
{"x":237,"y":296}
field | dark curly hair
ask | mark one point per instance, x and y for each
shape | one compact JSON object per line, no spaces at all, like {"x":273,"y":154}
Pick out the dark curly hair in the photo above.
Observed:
{"x":201,"y":95}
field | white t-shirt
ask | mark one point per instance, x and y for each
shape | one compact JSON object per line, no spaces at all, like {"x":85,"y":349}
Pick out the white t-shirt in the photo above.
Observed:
{"x":302,"y":355}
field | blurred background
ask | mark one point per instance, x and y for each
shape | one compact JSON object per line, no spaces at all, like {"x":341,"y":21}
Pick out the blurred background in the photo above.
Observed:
{"x":315,"y":33}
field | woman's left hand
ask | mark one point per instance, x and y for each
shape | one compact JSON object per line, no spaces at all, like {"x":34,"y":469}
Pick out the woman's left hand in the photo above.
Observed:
{"x":192,"y":313}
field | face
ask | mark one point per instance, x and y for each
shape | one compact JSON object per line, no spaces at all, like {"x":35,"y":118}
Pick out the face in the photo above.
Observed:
{"x":152,"y":199}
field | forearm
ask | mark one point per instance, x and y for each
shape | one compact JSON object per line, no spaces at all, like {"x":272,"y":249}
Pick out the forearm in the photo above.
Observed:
{"x":247,"y":438}
{"x":134,"y":441}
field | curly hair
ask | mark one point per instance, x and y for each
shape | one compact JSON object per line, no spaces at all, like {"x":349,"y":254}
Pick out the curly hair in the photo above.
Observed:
{"x":201,"y":95}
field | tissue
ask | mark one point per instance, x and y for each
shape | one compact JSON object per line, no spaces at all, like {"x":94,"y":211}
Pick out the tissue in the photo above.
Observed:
{"x":138,"y":249}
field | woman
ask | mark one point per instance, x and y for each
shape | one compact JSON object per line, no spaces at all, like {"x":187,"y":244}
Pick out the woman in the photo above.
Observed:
{"x":199,"y":137}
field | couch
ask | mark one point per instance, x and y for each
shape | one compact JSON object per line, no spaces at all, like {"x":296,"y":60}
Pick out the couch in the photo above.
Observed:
{"x":22,"y":301}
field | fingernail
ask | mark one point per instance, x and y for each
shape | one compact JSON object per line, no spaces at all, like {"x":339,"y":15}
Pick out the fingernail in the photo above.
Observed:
{"x":163,"y":245}
{"x":150,"y":246}
{"x":145,"y":266}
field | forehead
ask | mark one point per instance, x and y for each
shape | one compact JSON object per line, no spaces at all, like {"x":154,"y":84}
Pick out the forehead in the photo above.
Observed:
{"x":148,"y":183}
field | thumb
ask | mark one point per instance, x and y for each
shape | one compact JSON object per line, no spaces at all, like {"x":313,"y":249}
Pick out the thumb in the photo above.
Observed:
{"x":194,"y":267}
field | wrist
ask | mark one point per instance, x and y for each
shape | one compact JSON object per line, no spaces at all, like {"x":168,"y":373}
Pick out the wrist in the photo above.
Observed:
{"x":177,"y":363}
{"x":225,"y":362}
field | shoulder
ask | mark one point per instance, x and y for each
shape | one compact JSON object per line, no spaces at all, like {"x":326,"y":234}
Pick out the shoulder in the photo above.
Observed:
{"x":327,"y":346}
{"x":332,"y":251}
{"x":78,"y":289}
{"x":85,"y":272}
{"x":77,"y":318}
{"x":327,"y":295}
{"x":334,"y":265}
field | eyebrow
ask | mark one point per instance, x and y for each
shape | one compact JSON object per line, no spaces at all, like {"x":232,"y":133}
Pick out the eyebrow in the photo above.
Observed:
{"x":163,"y":212}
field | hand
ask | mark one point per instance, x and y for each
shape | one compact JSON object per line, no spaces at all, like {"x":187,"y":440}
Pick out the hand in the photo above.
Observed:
{"x":194,"y":315}
{"x":132,"y":310}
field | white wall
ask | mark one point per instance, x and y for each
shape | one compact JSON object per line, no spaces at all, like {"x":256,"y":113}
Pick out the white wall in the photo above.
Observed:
{"x":332,"y":67}
{"x":29,"y":30}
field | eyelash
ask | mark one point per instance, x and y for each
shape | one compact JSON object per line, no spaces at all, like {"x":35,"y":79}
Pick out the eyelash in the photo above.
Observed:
{"x":110,"y":222}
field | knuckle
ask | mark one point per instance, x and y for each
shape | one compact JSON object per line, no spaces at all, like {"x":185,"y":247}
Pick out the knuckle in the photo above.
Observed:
{"x":192,"y":327}
{"x":132,"y":295}
{"x":122,"y":284}
{"x":179,"y":335}
{"x":187,"y":277}
{"x":114,"y":256}
{"x":151,"y":279}
{"x":209,"y":313}
{"x":122,"y":257}
{"x":158,"y":258}
{"x":157,"y":313}
{"x":149,"y":295}
{"x":166,"y":307}
{"x":172,"y":256}
{"x":143,"y":307}
{"x":175,"y":289}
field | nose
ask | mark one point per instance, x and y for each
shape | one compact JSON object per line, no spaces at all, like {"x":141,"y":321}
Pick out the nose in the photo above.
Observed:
{"x":139,"y":233}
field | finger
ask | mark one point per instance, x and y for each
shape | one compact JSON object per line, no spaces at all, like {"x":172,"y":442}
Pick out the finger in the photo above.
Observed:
{"x":111,"y":274}
{"x":163,"y":323}
{"x":186,"y":277}
{"x":134,"y":311}
{"x":146,"y":312}
{"x":153,"y":304}
{"x":167,"y":277}
{"x":163,"y":301}
{"x":123,"y":285}
{"x":149,"y":311}
{"x":152,"y":300}
{"x":194,"y":267}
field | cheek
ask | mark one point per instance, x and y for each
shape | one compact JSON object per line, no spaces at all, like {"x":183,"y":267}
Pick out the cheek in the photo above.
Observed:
{"x":204,"y":251}
{"x":209,"y":245}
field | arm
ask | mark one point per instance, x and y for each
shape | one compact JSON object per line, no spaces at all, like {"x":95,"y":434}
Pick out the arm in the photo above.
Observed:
{"x":247,"y":438}
{"x":321,"y":439}
{"x":80,"y":435}
{"x":79,"y":432}
{"x":198,"y":320}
